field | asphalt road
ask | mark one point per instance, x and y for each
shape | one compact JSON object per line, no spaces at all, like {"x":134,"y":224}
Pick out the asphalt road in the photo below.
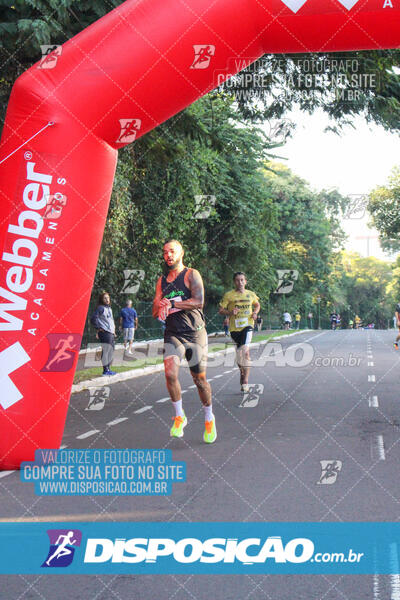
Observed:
{"x":336,"y":399}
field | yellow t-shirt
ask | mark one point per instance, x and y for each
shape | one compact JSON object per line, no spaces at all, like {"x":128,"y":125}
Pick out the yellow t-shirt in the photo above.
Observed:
{"x":244,"y":302}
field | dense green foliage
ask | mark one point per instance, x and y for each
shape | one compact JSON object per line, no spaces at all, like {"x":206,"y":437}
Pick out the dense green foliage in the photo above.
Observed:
{"x":262,"y":218}
{"x":362,"y":286}
{"x":384,"y":207}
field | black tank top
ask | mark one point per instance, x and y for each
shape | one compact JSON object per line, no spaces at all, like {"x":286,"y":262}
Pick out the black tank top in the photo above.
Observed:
{"x":182,"y":320}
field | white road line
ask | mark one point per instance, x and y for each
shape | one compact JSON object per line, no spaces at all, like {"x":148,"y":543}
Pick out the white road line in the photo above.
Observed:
{"x":116,"y":421}
{"x":143,"y":409}
{"x":164,"y":399}
{"x":5,"y":473}
{"x":394,"y":577}
{"x":218,"y":376}
{"x":375,"y":578}
{"x":381,"y":447}
{"x":371,"y":377}
{"x":191,"y":387}
{"x":370,"y":364}
{"x":373,"y":402}
{"x":313,"y":337}
{"x":376,"y":587}
{"x":230,"y":371}
{"x":83,"y":436}
{"x":183,"y":392}
{"x":63,"y":447}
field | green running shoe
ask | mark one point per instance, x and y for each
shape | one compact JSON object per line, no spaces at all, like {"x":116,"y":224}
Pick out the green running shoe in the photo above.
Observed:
{"x":177,"y":427}
{"x":210,"y":433}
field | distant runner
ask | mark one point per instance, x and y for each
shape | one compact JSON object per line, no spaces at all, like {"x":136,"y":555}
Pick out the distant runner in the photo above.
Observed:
{"x":333,"y":319}
{"x":179,"y":301}
{"x":242,"y":307}
{"x":397,"y":313}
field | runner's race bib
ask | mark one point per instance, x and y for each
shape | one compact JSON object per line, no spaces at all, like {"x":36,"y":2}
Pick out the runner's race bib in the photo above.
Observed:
{"x":242,"y":322}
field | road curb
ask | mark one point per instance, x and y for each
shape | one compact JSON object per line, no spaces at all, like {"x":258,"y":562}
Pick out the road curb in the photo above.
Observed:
{"x":101,"y":381}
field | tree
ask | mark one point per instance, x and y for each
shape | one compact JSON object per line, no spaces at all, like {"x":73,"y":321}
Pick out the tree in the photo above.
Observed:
{"x":362,"y":286}
{"x":308,"y":235}
{"x":384,"y":207}
{"x":343,"y":85}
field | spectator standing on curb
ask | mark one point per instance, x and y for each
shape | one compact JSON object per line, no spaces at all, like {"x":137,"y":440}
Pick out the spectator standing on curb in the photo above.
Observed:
{"x":103,"y":320}
{"x":297,"y":318}
{"x":129,"y":322}
{"x":226,"y":326}
{"x":310,"y":320}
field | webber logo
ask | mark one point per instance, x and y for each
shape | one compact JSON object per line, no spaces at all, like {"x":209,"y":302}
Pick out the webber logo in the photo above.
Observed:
{"x":22,"y":248}
{"x":19,"y":255}
{"x":248,"y":551}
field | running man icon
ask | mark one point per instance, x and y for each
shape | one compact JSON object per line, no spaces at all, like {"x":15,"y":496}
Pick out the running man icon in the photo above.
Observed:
{"x":63,"y":543}
{"x":62,"y":550}
{"x":63,"y":349}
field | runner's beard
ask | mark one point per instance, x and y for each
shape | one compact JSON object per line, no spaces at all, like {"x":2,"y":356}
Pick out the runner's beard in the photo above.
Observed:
{"x":173,"y":266}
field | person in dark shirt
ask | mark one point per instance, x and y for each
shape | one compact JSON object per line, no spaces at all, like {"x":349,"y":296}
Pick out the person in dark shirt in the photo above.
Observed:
{"x":103,"y":320}
{"x":179,"y":301}
{"x":129,"y":322}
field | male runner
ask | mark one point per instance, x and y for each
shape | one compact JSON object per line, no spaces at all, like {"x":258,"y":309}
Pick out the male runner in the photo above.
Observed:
{"x":179,"y":300}
{"x":397,"y":313}
{"x":242,"y":307}
{"x":333,"y":319}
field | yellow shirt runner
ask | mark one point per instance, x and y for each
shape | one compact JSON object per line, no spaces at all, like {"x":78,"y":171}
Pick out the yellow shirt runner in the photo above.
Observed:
{"x":244,"y":302}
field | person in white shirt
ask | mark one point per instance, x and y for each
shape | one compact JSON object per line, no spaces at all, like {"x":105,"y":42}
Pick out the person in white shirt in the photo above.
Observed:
{"x":287,"y":319}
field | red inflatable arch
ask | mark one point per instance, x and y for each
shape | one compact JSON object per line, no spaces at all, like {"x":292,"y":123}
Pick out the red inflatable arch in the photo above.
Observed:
{"x":66,"y":119}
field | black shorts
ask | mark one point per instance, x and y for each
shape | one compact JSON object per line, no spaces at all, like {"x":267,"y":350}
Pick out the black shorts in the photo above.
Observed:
{"x":193,"y":345}
{"x":242,"y":337}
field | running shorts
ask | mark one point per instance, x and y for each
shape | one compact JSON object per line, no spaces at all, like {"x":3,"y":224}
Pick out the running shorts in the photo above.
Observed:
{"x":129,"y":334}
{"x":242,"y":337}
{"x":193,"y":345}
